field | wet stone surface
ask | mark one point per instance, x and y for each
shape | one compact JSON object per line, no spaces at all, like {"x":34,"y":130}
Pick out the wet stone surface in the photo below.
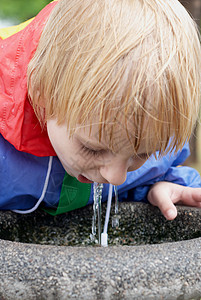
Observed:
{"x":137,"y":226}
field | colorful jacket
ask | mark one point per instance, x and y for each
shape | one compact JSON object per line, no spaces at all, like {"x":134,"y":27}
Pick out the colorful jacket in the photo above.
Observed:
{"x":30,"y":172}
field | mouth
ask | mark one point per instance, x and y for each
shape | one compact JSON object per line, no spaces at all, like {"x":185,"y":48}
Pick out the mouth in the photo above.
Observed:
{"x":83,"y":179}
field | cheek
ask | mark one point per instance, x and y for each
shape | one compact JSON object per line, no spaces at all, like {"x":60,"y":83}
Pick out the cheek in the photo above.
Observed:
{"x":136,"y":165}
{"x":69,"y":155}
{"x":58,"y":147}
{"x":141,"y":163}
{"x":52,"y":134}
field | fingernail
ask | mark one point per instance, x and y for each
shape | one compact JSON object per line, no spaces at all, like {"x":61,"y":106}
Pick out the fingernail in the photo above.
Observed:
{"x":171,"y":214}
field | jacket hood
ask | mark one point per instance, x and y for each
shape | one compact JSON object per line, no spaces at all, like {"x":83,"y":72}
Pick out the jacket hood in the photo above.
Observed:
{"x":18,"y":122}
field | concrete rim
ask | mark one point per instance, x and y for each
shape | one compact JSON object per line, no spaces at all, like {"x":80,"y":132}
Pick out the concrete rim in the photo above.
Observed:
{"x":160,"y":271}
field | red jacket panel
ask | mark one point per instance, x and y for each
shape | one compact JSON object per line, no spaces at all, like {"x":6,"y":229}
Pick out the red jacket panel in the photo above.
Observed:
{"x":18,"y":122}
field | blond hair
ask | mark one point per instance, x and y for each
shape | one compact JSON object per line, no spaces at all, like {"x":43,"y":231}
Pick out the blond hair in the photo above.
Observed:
{"x":134,"y":61}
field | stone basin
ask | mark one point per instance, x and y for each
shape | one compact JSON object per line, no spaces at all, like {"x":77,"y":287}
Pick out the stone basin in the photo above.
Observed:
{"x":147,"y":257}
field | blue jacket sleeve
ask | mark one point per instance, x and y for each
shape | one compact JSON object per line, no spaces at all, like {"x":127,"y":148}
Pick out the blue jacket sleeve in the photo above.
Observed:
{"x":160,"y":169}
{"x":22,"y":178}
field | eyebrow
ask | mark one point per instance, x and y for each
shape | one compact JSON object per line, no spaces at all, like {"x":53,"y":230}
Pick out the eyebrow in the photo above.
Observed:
{"x":91,"y":144}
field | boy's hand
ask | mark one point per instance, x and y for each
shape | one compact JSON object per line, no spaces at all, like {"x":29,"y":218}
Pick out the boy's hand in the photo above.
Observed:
{"x":164,"y":194}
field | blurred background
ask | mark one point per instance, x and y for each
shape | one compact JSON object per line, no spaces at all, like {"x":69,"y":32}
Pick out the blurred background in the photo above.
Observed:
{"x":13,"y":12}
{"x":16,"y":11}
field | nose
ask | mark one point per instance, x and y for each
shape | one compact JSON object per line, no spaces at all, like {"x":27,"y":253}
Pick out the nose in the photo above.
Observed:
{"x":115,"y":173}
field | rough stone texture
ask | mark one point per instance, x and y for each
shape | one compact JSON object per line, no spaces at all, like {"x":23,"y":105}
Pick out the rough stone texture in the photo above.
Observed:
{"x":139,"y":224}
{"x":158,"y":271}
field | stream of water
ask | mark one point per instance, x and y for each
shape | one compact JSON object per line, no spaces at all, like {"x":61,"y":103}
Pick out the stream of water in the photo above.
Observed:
{"x":116,"y":216}
{"x":96,"y":219}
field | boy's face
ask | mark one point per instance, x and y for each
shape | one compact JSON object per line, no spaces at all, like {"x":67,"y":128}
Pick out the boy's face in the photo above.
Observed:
{"x":89,"y":160}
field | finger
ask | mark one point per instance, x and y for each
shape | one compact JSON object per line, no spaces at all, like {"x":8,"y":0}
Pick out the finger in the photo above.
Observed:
{"x":191,"y":196}
{"x":164,"y":203}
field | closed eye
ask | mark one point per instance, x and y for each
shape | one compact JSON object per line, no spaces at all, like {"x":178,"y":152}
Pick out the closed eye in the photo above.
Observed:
{"x":88,"y":151}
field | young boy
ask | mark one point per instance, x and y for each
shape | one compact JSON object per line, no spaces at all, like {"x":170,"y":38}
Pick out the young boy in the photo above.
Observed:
{"x":107,"y":91}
